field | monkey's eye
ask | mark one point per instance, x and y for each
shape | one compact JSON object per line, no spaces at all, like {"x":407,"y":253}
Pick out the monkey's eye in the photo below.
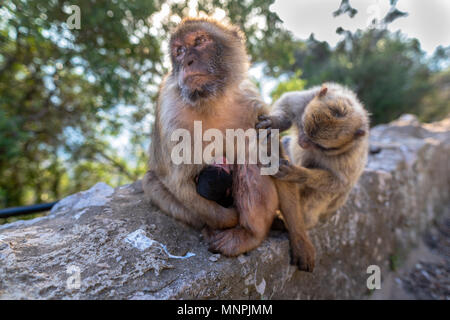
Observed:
{"x":180,"y":50}
{"x":337,"y":112}
{"x":199,"y":40}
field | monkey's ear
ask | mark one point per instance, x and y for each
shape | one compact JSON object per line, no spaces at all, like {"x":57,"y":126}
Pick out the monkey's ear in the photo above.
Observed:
{"x":238,"y":34}
{"x":360,"y":133}
{"x":322,"y":92}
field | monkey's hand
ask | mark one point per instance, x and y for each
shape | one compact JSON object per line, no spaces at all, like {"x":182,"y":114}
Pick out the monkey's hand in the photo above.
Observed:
{"x":273,"y":122}
{"x":290,"y":172}
{"x":269,"y":122}
{"x":265,"y":122}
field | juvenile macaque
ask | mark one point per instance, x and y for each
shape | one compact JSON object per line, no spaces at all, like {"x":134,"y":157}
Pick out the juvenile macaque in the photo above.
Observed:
{"x":328,"y":147}
{"x":209,"y":83}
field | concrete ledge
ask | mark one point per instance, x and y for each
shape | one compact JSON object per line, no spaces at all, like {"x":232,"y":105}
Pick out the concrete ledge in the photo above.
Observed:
{"x":108,"y":243}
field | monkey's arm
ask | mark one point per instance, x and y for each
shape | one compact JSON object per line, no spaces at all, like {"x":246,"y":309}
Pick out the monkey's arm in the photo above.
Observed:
{"x":159,"y":195}
{"x":286,"y":110}
{"x":251,"y":98}
{"x":213,"y":214}
{"x":318,"y":179}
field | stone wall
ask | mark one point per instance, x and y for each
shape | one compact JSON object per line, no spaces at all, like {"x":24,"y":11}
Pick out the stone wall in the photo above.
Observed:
{"x":109,"y":243}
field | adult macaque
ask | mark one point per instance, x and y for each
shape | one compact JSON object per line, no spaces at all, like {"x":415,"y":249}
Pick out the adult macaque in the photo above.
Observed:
{"x":208,"y":83}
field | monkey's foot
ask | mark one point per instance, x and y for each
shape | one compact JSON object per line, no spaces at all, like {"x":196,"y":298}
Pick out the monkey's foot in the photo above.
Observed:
{"x":289,"y":172}
{"x":285,"y":169}
{"x":303,"y":254}
{"x":232,"y":242}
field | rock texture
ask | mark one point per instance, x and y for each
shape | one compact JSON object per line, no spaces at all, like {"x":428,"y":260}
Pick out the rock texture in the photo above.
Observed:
{"x":108,"y":243}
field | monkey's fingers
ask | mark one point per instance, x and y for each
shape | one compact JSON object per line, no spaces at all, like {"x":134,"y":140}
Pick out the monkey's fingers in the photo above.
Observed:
{"x":269,"y":164}
{"x":301,"y":264}
{"x":284,"y":163}
{"x":264,"y":124}
{"x":284,"y":169}
{"x":280,"y":174}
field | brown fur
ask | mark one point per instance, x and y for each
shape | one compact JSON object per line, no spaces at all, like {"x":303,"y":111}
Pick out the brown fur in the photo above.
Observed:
{"x":234,"y":103}
{"x":331,"y":128}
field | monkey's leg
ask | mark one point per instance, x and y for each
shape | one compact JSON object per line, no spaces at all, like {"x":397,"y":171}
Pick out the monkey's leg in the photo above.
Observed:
{"x":323,"y":180}
{"x":302,"y":250}
{"x":332,"y":206}
{"x":317,"y":179}
{"x":312,"y":210}
{"x":289,"y":172}
{"x":188,"y":206}
{"x":257,"y":201}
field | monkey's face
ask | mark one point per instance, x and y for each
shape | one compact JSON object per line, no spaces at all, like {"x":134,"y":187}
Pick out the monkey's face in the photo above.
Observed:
{"x":203,"y":57}
{"x":330,"y":124}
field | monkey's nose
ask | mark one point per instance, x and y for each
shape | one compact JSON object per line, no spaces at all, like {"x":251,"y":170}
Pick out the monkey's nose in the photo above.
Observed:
{"x":190,"y":62}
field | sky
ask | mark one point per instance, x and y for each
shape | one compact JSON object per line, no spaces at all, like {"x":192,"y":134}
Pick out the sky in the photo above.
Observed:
{"x":428,"y":20}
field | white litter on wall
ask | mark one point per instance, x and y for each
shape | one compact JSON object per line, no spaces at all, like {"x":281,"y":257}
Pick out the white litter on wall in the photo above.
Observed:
{"x":140,"y":241}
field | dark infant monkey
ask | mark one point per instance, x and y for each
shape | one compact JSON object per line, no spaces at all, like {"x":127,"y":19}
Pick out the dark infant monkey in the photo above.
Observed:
{"x":215,"y":183}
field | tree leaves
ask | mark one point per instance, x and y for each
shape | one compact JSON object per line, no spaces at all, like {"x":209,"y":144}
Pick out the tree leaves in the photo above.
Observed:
{"x":63,"y":92}
{"x":345,"y":7}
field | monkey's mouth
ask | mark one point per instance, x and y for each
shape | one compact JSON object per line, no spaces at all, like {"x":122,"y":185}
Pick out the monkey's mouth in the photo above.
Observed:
{"x":199,"y":87}
{"x":196,"y":94}
{"x":197,"y":80}
{"x":193,"y":75}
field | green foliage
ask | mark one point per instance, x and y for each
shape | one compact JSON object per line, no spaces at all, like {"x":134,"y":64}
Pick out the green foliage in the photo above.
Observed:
{"x":435,"y":105}
{"x":394,"y":262}
{"x":388,"y":71}
{"x":293,"y":84}
{"x":66,"y":95}
{"x":59,"y":86}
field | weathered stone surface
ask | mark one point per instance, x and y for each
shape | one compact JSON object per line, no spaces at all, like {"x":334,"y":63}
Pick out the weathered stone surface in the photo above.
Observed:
{"x":124,"y":248}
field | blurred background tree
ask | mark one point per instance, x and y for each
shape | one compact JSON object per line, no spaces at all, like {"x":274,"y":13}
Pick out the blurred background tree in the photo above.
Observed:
{"x":389,"y":72}
{"x":76,"y":105}
{"x":66,"y":95}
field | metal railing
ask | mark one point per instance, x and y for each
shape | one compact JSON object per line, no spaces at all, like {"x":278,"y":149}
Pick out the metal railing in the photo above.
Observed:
{"x":17,"y":211}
